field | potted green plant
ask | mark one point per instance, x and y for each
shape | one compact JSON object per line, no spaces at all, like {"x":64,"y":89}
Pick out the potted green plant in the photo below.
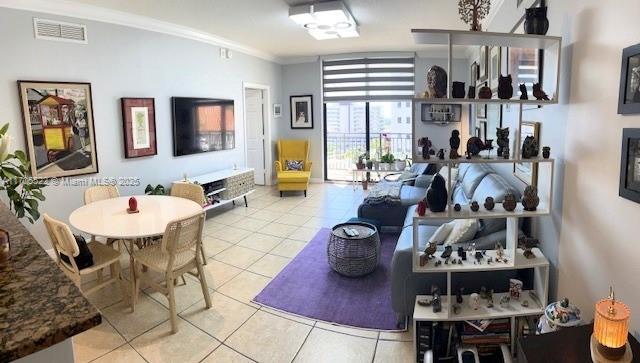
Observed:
{"x":24,"y":192}
{"x":386,"y":161}
{"x":360,"y":164}
{"x":157,"y":190}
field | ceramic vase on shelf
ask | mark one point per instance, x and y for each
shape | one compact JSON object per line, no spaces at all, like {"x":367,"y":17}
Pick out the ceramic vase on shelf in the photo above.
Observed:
{"x":536,"y":21}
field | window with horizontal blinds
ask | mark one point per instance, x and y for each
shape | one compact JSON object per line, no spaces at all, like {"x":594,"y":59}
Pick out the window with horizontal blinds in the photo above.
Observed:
{"x":368,"y":79}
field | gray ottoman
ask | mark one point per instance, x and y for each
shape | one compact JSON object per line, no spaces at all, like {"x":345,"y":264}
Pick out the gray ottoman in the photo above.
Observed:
{"x":354,"y":256}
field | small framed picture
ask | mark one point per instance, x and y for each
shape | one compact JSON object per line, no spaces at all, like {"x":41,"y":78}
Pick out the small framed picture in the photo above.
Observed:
{"x":277,"y":110}
{"x":495,"y":63}
{"x":301,"y":112}
{"x":139,"y":127}
{"x":528,"y":172}
{"x":629,"y":95}
{"x":482,"y":130}
{"x":630,"y":165}
{"x":483,"y":64}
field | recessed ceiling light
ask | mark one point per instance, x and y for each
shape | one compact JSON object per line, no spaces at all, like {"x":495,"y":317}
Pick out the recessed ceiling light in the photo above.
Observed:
{"x":326,"y":20}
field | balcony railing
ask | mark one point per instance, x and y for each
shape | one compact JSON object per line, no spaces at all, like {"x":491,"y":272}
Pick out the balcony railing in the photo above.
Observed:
{"x":343,"y":150}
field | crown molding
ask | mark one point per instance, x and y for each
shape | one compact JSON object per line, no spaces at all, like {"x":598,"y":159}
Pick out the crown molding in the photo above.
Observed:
{"x":91,"y":12}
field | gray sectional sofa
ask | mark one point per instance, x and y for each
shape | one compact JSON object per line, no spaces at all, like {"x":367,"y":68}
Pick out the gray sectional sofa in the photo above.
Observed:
{"x":475,"y":182}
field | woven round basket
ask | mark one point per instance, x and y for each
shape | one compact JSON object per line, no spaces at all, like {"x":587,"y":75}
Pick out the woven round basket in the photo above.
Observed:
{"x":354,"y":256}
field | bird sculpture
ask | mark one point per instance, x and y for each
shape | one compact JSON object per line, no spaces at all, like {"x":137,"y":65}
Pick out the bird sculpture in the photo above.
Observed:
{"x":431,"y":249}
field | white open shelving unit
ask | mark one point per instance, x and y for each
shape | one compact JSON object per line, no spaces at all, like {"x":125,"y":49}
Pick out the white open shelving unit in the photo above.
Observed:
{"x":514,"y":255}
{"x":219,"y":176}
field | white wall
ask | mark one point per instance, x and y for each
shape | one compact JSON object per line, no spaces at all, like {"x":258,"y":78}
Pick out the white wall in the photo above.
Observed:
{"x":127,"y":62}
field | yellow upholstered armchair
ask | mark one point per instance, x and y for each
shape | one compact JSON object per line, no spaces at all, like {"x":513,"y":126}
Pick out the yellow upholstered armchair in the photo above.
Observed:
{"x":292,"y":180}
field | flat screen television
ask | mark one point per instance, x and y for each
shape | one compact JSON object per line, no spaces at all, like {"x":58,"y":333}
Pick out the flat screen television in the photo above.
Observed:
{"x":202,"y":125}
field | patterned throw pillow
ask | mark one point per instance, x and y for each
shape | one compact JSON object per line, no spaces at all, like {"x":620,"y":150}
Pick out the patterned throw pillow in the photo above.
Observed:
{"x":294,"y":165}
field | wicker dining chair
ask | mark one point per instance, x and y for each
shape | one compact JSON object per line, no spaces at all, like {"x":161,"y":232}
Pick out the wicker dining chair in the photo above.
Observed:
{"x":64,"y":243}
{"x":192,"y":192}
{"x":173,"y":257}
{"x":101,"y":192}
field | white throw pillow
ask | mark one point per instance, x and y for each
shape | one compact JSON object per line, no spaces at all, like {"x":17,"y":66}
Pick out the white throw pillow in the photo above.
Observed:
{"x":463,"y":230}
{"x":441,"y":234}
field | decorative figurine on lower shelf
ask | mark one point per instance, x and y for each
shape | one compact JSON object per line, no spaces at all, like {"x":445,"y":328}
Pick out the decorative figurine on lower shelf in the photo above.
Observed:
{"x":474,"y":301}
{"x":505,"y":87}
{"x":475,"y":145}
{"x":447,"y":252}
{"x":506,"y":153}
{"x":515,"y":288}
{"x":489,"y":203}
{"x":454,"y":143}
{"x":474,"y":206}
{"x":457,"y":207}
{"x":437,"y":195}
{"x":530,"y":148}
{"x":426,"y":145}
{"x":505,"y":301}
{"x":456,"y":309}
{"x":530,"y":199}
{"x":483,"y":292}
{"x":459,"y":298}
{"x":471,"y":93}
{"x":462,"y":253}
{"x":509,"y":203}
{"x":424,"y":259}
{"x":422,"y":207}
{"x":524,"y":95}
{"x":440,"y":154}
{"x":538,"y":93}
{"x":502,"y":139}
{"x":499,"y":252}
{"x":430,"y":250}
{"x":479,"y":257}
{"x":527,"y":244}
{"x":546,"y":152}
{"x":436,"y":302}
{"x":484,"y":93}
{"x":438,"y":263}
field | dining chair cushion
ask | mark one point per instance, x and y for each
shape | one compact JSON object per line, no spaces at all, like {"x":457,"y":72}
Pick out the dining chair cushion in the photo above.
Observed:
{"x":155,"y":258}
{"x":84,"y":258}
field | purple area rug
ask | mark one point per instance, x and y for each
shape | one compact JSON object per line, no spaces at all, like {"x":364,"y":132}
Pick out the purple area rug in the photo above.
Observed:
{"x":308,"y":287}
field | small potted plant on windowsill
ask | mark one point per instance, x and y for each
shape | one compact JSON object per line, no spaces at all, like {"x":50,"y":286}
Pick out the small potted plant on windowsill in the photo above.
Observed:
{"x":360,"y":164}
{"x":386,"y":161}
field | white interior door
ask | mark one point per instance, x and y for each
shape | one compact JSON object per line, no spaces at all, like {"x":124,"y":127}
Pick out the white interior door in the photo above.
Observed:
{"x":255,"y":116}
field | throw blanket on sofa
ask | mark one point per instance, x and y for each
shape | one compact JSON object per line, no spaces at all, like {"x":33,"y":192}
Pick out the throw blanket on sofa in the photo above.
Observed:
{"x":384,"y":193}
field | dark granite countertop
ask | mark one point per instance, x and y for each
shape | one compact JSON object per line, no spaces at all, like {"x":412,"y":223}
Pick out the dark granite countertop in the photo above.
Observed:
{"x":39,"y":305}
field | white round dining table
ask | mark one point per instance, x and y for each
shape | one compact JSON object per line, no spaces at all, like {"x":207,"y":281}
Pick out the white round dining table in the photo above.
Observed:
{"x":109,"y":218}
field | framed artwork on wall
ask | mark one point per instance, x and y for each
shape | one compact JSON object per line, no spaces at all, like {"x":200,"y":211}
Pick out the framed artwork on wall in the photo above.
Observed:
{"x":301,"y":112}
{"x":495,"y":67}
{"x":483,"y":64}
{"x":629,"y":94}
{"x":528,"y":172}
{"x":277,"y":110}
{"x":473,"y":74}
{"x":59,"y":128}
{"x":139,"y":127}
{"x":630,"y":165}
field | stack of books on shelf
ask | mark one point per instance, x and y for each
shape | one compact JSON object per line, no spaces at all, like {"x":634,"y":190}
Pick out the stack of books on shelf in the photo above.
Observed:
{"x":487,"y":335}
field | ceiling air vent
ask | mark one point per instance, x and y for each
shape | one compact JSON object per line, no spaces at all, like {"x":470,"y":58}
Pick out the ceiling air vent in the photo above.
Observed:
{"x":57,"y":30}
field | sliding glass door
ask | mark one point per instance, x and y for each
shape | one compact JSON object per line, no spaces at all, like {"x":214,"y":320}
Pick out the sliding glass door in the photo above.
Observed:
{"x":353,"y":128}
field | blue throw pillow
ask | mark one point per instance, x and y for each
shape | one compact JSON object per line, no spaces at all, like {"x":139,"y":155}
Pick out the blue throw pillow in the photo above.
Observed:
{"x":296,"y":165}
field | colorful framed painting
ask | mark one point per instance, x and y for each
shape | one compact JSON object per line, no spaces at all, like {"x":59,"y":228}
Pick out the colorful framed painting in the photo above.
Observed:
{"x":139,"y":127}
{"x":630,"y":165}
{"x":59,"y":128}
{"x":527,"y":171}
{"x":301,"y":112}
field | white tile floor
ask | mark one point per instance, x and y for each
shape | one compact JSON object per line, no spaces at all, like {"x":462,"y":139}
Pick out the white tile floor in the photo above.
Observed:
{"x":246,"y":248}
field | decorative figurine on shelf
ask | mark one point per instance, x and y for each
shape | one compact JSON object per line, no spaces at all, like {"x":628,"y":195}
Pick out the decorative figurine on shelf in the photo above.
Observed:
{"x":454,"y":143}
{"x":461,"y":252}
{"x":422,"y":207}
{"x":488,"y":145}
{"x":530,"y":199}
{"x":546,"y":152}
{"x":436,"y":82}
{"x":474,"y":206}
{"x":530,"y":148}
{"x":441,"y":154}
{"x":426,"y":145}
{"x":538,"y":93}
{"x":473,"y":11}
{"x":437,"y":195}
{"x":506,"y":153}
{"x":459,"y":298}
{"x":527,"y":244}
{"x":483,"y":292}
{"x":485,"y":93}
{"x":474,"y":301}
{"x":515,"y":288}
{"x":438,"y":263}
{"x":456,"y":309}
{"x":423,"y":259}
{"x":525,"y":303}
{"x":133,"y":205}
{"x":489,"y":203}
{"x":475,"y":145}
{"x":524,"y":94}
{"x":490,"y":298}
{"x":471,"y":93}
{"x":468,"y":155}
{"x":505,"y":87}
{"x":502,"y":139}
{"x":504,"y":301}
{"x":447,"y":252}
{"x":457,"y":207}
{"x":431,"y":249}
{"x":457,"y":89}
{"x":499,"y":252}
{"x":436,"y":301}
{"x":535,"y":20}
{"x":509,"y":203}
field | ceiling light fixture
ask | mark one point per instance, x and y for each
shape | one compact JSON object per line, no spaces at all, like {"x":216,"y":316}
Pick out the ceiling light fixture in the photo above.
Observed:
{"x":326,"y":20}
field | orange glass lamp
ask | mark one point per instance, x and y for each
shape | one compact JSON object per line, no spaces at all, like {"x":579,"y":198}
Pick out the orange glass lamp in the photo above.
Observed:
{"x":609,"y":341}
